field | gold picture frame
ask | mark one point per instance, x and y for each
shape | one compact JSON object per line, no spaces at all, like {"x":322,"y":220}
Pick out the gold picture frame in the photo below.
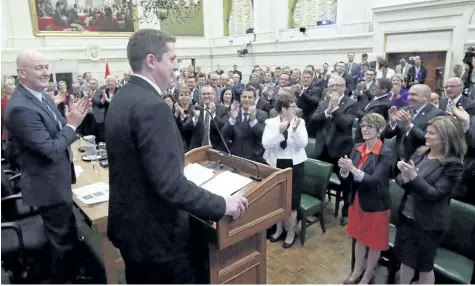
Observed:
{"x":66,"y":19}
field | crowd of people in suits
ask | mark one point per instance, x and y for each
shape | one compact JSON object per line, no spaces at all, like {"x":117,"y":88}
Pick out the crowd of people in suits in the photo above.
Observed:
{"x":354,"y":112}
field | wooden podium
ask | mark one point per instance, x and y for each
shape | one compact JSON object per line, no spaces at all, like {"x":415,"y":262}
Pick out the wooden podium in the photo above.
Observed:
{"x":234,"y":251}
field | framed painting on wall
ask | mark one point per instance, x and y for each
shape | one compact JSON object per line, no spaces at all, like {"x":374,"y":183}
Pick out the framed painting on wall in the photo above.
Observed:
{"x":83,"y":17}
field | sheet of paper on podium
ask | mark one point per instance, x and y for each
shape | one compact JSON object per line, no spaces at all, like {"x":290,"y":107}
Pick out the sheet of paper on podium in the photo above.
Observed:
{"x":226,"y":183}
{"x":197,"y":173}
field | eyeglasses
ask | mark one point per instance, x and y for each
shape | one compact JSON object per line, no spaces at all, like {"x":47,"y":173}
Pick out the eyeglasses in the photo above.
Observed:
{"x":451,"y":86}
{"x":335,"y":85}
{"x":367,"y":126}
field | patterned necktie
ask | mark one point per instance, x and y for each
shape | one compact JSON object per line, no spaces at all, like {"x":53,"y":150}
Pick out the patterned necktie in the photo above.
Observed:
{"x":449,"y":106}
{"x":246,"y":117}
{"x":205,"y":140}
{"x":413,"y":113}
{"x":43,"y":99}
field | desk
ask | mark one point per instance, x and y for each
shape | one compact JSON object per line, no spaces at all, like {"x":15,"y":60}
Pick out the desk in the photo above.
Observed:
{"x":97,"y":214}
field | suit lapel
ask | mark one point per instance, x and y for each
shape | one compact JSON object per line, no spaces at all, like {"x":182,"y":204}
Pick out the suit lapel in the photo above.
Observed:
{"x":368,"y":161}
{"x":41,"y":105}
{"x":422,"y":116}
{"x":431,"y":167}
{"x":343,"y":102}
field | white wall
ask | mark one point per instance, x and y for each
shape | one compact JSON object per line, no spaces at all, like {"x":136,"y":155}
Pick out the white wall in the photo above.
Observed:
{"x":371,"y":26}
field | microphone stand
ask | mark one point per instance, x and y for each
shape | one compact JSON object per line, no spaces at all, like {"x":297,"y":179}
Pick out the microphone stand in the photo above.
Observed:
{"x":235,"y":169}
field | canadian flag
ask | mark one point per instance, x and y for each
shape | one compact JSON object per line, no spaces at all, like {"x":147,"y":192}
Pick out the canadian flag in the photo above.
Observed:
{"x":107,"y":69}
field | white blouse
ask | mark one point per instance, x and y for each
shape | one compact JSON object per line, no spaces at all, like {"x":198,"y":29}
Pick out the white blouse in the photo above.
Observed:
{"x":296,"y":142}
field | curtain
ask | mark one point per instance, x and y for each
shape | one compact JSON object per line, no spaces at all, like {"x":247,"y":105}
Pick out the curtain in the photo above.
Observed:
{"x":227,"y":4}
{"x":291,"y":13}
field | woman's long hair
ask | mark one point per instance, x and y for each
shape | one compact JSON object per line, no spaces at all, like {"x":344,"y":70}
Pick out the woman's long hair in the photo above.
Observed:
{"x":453,"y":138}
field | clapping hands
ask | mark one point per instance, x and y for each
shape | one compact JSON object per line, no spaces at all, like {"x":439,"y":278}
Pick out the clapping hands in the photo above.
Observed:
{"x":408,"y":170}
{"x":346,"y":165}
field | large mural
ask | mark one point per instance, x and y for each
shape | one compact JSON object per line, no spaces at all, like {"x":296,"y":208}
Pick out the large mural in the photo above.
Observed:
{"x":76,"y":17}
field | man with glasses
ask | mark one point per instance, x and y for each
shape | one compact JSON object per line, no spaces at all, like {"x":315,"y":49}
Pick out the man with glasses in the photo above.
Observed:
{"x":204,"y":131}
{"x":333,"y":121}
{"x":453,"y":90}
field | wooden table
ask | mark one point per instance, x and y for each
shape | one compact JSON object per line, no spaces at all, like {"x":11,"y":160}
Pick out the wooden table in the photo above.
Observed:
{"x":97,"y":214}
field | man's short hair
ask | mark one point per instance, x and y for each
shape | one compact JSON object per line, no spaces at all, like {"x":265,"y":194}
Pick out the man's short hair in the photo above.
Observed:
{"x":145,"y":42}
{"x":307,"y":72}
{"x":385,"y":83}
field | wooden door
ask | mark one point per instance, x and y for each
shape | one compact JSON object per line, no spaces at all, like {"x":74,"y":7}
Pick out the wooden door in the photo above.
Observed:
{"x":430,"y":60}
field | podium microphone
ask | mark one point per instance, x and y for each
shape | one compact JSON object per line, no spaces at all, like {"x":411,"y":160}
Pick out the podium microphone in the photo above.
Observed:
{"x":235,"y":170}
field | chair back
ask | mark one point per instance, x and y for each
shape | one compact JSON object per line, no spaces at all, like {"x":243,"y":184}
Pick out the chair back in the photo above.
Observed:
{"x":396,"y":193}
{"x":317,"y":177}
{"x":7,"y":188}
{"x":310,"y":148}
{"x":459,"y":238}
{"x":390,"y":143}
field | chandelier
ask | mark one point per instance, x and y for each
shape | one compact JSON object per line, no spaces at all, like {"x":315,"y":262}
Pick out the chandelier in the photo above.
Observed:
{"x":166,"y":11}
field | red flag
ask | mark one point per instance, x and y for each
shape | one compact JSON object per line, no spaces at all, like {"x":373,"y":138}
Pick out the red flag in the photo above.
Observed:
{"x":107,"y":69}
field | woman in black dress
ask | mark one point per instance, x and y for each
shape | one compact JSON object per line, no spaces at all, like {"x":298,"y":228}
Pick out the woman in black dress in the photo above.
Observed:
{"x":428,"y":180}
{"x":284,"y":141}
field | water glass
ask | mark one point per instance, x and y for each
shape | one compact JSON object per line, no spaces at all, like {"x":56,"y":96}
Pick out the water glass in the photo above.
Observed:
{"x":102,"y":148}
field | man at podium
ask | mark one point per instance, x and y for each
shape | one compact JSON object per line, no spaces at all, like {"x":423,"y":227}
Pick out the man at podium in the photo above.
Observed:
{"x":149,"y":195}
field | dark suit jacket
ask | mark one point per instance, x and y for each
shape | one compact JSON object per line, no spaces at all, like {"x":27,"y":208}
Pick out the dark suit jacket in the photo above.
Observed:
{"x":465,"y":102}
{"x":149,"y":194}
{"x":198,"y":129}
{"x":185,"y":134}
{"x":363,"y":97}
{"x":97,"y":101}
{"x":334,"y":132}
{"x":246,"y":141}
{"x":432,"y":190}
{"x":264,"y":105}
{"x":373,"y":190}
{"x":380,"y":106}
{"x":309,"y":100}
{"x":47,"y":172}
{"x":350,"y":81}
{"x":416,"y":137}
{"x":411,"y":76}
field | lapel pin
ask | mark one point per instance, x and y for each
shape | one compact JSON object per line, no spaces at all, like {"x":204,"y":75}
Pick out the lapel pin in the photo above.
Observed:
{"x":423,"y":113}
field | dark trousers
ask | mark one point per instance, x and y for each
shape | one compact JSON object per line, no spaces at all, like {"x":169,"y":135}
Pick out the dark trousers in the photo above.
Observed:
{"x":99,"y":131}
{"x":344,"y":186}
{"x":61,"y":232}
{"x":177,"y":271}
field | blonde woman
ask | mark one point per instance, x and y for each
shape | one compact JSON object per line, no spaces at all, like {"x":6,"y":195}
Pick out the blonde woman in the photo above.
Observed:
{"x":428,"y":180}
{"x":8,"y":87}
{"x":398,"y":94}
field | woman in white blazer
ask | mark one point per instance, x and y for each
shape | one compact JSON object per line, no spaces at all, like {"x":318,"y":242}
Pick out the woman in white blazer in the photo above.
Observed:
{"x":284,"y":141}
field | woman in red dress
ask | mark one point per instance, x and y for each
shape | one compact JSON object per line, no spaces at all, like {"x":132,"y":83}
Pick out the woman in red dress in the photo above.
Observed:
{"x":368,"y":215}
{"x":8,"y":87}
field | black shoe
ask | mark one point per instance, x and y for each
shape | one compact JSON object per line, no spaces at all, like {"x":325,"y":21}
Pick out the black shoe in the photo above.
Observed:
{"x":344,"y":221}
{"x":281,"y":236}
{"x":289,"y":245}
